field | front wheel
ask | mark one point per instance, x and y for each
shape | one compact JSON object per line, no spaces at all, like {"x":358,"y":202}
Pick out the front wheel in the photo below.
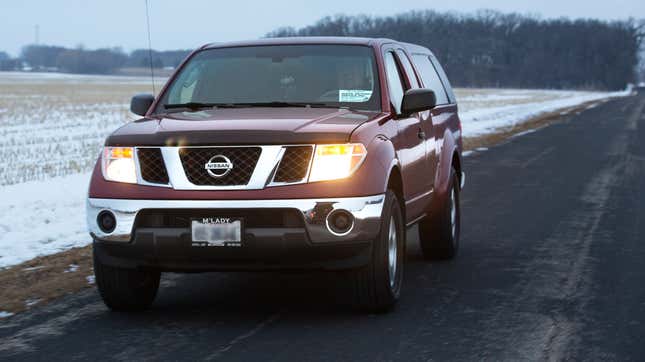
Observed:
{"x":126,"y":290}
{"x":377,"y":286}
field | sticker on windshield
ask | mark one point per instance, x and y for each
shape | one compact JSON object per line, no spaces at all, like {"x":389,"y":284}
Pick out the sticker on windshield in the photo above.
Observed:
{"x":354,"y":95}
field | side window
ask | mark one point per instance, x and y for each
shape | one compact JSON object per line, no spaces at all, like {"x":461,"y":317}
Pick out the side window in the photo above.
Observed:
{"x":414,"y":83}
{"x":394,"y":82}
{"x":430,"y":78}
{"x":444,"y":79}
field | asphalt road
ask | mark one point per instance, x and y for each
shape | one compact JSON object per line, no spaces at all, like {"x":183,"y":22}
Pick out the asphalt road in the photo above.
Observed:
{"x":552,"y":266}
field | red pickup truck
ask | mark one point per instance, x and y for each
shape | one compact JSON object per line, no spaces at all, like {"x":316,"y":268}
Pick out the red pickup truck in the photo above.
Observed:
{"x":281,"y":154}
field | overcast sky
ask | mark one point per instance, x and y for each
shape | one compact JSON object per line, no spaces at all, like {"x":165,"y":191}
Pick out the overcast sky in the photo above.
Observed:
{"x":190,"y":23}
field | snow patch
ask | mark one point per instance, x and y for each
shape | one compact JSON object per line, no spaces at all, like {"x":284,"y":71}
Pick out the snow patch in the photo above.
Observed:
{"x":42,"y":217}
{"x":40,"y":77}
{"x":72,"y":268}
{"x":524,"y":133}
{"x":481,"y":118}
{"x":90,"y":279}
{"x":32,"y":302}
{"x":4,"y":314}
{"x":33,"y":268}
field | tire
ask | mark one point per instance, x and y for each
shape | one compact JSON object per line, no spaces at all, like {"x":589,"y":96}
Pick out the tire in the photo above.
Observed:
{"x":126,"y":290}
{"x":439,"y":233}
{"x":377,"y":285}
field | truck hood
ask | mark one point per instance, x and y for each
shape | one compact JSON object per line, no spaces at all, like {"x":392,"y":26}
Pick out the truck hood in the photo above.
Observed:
{"x":237,"y":126}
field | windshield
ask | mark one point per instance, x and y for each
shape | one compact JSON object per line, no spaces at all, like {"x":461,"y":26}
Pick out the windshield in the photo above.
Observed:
{"x":277,"y":75}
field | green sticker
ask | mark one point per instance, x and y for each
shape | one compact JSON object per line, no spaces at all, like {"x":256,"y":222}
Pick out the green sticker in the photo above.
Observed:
{"x":354,"y":95}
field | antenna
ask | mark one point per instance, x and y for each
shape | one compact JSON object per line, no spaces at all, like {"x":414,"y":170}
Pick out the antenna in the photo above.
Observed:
{"x":152,"y":72}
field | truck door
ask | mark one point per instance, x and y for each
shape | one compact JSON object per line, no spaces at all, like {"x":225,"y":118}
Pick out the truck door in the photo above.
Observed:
{"x":410,"y":142}
{"x":445,"y":113}
{"x":426,"y":132}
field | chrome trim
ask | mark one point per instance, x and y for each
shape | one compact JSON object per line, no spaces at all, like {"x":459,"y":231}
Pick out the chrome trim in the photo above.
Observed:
{"x":335,"y":233}
{"x":275,"y":169}
{"x":416,"y":220}
{"x":419,"y":197}
{"x":366,"y":211}
{"x":266,"y":163}
{"x":227,"y":161}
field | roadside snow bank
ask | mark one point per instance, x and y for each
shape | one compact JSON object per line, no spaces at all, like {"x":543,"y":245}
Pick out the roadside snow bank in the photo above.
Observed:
{"x":42,"y":217}
{"x":479,"y":118}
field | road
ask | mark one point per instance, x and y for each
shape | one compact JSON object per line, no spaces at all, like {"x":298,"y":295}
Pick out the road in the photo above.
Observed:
{"x":551,"y":267}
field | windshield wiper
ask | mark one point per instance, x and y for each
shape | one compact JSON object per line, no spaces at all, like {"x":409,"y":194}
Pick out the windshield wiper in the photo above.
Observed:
{"x":194,"y":106}
{"x":286,"y":104}
{"x":197,"y":105}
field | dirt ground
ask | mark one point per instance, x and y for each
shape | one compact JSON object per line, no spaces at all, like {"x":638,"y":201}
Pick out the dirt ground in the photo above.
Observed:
{"x":45,"y":278}
{"x":42,"y":279}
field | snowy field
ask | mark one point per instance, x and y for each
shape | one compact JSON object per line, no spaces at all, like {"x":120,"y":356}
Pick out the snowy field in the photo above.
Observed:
{"x":52,"y":127}
{"x":484,"y":111}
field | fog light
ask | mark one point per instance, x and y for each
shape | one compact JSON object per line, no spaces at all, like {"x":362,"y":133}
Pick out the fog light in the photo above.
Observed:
{"x":340,"y":222}
{"x":106,"y":221}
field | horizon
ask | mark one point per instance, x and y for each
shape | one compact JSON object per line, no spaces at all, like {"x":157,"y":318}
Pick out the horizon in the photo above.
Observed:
{"x":94,"y":28}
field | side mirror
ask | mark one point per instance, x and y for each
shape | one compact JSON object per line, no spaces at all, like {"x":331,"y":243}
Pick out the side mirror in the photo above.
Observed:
{"x":418,"y":100}
{"x":140,"y":103}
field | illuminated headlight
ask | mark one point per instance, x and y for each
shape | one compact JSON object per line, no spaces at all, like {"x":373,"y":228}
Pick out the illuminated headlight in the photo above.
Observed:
{"x":332,"y":162}
{"x":118,"y":164}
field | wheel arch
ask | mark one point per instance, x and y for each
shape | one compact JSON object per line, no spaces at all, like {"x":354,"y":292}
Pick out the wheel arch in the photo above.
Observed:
{"x":456,"y":163}
{"x":395,"y":182}
{"x":449,"y":157}
{"x":384,"y":150}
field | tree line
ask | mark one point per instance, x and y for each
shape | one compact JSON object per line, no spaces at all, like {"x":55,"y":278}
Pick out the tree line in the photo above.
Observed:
{"x":483,"y":49}
{"x":84,"y":61}
{"x":493,"y":49}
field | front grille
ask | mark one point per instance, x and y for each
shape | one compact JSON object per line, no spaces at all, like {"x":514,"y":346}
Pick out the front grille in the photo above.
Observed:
{"x":294,"y":164}
{"x":152,"y":166}
{"x":244,"y":160}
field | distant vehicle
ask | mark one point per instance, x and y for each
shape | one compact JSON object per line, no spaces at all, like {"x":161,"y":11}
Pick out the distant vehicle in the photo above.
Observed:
{"x":281,"y":154}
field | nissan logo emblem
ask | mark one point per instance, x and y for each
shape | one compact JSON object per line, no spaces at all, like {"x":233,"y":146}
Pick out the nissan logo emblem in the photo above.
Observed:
{"x":218,"y":166}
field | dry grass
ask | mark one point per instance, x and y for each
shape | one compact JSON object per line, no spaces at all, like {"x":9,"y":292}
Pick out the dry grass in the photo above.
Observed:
{"x":45,"y":278}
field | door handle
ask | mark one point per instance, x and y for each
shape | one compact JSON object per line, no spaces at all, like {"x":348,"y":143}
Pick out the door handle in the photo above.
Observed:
{"x":421,"y":134}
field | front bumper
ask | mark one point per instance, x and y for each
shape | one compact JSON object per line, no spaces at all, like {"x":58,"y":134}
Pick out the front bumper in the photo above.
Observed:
{"x":305,"y":245}
{"x":365,"y":210}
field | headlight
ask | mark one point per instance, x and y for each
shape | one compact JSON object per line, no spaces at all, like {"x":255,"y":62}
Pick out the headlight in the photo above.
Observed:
{"x":118,"y":164}
{"x":333,"y":162}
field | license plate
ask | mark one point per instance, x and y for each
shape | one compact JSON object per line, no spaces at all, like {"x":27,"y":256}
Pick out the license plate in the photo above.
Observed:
{"x":216,"y":231}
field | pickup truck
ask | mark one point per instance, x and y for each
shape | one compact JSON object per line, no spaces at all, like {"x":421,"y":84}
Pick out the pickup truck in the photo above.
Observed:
{"x":313,"y":153}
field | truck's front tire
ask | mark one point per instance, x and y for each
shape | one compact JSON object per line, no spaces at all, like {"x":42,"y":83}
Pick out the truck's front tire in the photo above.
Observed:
{"x":377,"y":286}
{"x":439,"y":233}
{"x":126,"y":290}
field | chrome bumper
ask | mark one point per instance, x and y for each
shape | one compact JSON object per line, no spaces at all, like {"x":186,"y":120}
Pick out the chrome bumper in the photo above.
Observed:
{"x":366,"y":211}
